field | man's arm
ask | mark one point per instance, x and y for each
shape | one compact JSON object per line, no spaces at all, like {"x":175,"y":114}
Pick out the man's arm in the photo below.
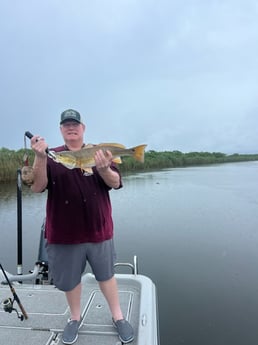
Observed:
{"x":103,"y":163}
{"x":39,"y":146}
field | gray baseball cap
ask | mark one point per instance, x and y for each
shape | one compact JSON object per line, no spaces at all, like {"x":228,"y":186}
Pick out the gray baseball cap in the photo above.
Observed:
{"x":70,"y":115}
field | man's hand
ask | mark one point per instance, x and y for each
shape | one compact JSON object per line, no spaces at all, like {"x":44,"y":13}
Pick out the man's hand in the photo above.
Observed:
{"x":39,"y":146}
{"x":103,"y":160}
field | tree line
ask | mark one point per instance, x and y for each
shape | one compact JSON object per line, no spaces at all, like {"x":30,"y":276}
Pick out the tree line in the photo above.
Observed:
{"x":11,"y":161}
{"x":175,"y":159}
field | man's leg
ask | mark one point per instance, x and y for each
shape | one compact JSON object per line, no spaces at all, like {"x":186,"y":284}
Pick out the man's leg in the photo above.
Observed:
{"x":110,"y":291}
{"x":70,"y":333}
{"x":101,"y":258}
{"x":74,"y":301}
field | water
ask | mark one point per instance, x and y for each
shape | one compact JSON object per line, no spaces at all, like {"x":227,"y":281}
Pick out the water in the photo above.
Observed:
{"x":195,"y":232}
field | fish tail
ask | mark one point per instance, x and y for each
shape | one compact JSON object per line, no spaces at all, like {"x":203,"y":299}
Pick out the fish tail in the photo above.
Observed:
{"x":139,"y":153}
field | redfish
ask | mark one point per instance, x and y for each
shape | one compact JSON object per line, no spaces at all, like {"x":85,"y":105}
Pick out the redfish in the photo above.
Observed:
{"x":84,"y":158}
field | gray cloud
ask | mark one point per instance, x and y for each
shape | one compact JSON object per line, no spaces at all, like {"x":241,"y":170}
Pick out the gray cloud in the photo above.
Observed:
{"x":176,"y":75}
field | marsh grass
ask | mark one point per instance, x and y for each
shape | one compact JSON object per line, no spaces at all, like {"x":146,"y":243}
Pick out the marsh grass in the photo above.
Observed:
{"x":11,"y":161}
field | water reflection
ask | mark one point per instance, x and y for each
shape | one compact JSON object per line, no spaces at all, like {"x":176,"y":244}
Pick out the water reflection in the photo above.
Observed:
{"x":195,"y":233}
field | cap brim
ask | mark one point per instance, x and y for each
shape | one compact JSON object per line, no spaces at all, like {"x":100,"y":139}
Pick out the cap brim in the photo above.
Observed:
{"x":69,"y":120}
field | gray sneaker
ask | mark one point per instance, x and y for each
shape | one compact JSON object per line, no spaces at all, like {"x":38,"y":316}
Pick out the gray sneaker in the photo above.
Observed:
{"x":124,"y":330}
{"x":70,"y":333}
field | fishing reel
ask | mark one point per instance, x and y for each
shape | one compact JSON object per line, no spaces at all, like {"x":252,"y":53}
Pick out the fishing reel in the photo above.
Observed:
{"x":8,"y":307}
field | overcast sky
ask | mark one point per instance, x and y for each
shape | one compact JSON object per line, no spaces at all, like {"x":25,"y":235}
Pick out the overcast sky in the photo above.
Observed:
{"x":174,"y":74}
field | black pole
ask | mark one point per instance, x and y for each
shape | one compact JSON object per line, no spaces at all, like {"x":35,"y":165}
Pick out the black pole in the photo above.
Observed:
{"x":19,"y":222}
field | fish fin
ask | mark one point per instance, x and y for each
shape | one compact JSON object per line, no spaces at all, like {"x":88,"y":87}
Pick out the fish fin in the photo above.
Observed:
{"x":117,"y":160}
{"x":87,"y":171}
{"x":139,"y":153}
{"x":112,"y":144}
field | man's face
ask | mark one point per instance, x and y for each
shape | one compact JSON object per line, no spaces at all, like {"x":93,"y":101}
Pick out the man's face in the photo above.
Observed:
{"x":72,"y":130}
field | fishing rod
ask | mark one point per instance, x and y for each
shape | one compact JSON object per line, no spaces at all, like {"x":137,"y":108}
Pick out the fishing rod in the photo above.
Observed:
{"x":8,"y":303}
{"x":49,"y":153}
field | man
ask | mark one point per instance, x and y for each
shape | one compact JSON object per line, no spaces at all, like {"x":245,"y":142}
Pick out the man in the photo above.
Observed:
{"x":79,"y":224}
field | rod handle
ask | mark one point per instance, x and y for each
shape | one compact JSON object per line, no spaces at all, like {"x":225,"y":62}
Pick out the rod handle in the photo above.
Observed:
{"x":22,"y":309}
{"x":16,"y":298}
{"x":30,"y":135}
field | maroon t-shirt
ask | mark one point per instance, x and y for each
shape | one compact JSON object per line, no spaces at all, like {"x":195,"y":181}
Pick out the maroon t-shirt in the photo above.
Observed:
{"x":78,"y":207}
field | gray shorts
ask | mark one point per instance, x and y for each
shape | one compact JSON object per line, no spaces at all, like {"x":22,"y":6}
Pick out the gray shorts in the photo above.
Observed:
{"x":67,"y":262}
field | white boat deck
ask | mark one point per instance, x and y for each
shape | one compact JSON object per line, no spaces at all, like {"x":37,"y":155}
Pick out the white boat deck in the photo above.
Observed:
{"x":48,"y":313}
